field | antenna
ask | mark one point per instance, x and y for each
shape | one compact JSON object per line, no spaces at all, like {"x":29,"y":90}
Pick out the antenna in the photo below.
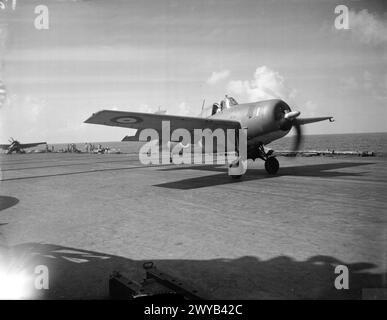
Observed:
{"x":204,"y":101}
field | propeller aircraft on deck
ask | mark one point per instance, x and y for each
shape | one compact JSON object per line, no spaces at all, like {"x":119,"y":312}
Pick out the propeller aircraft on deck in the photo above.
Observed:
{"x":263,"y":121}
{"x":17,"y":147}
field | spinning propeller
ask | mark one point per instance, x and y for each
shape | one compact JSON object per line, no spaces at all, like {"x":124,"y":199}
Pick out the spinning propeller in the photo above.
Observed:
{"x":289,"y":121}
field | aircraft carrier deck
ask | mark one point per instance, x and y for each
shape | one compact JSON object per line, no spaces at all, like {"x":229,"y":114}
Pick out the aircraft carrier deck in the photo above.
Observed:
{"x":262,"y":237}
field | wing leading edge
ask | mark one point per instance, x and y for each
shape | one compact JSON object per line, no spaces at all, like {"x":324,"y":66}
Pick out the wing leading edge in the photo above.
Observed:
{"x":138,"y":120}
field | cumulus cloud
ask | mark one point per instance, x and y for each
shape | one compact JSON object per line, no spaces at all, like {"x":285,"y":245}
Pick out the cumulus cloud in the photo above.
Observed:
{"x":266,"y":84}
{"x":218,"y":76}
{"x":270,"y":84}
{"x":367,"y":27}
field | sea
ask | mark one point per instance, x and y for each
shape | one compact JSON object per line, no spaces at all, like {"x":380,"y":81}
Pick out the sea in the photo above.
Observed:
{"x":371,"y":142}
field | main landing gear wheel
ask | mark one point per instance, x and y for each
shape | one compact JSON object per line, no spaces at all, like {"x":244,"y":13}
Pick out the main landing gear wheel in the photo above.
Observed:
{"x":272,"y":165}
{"x":236,"y":177}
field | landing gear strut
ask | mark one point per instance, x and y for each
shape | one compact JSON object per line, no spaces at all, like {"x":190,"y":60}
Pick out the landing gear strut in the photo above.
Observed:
{"x":271,"y":162}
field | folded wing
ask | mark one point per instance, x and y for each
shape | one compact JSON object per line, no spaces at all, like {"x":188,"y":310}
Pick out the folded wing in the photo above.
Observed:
{"x":4,"y":146}
{"x":30,"y":145}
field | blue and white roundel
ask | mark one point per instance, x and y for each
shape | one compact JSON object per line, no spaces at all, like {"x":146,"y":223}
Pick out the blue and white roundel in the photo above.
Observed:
{"x":126,"y":120}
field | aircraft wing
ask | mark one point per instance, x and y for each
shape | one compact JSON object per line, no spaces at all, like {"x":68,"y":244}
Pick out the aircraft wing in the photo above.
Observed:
{"x":302,"y":121}
{"x":138,"y":120}
{"x":4,"y":146}
{"x":30,"y":145}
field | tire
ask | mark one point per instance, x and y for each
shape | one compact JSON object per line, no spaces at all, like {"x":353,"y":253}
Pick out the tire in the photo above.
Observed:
{"x":236,"y":177}
{"x":272,"y":165}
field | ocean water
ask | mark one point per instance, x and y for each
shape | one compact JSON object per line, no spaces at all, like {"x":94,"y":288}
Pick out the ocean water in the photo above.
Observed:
{"x":376,"y":142}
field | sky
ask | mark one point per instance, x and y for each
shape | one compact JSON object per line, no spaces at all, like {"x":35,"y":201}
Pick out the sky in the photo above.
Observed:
{"x":142,"y":55}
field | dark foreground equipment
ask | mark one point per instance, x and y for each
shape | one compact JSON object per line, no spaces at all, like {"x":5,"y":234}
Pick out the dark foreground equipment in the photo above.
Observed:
{"x":156,"y":285}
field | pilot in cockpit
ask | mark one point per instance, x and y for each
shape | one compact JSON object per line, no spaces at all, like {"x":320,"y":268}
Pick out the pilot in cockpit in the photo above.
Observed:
{"x":224,"y":104}
{"x":215,"y":108}
{"x":227,"y":102}
{"x":232,"y":101}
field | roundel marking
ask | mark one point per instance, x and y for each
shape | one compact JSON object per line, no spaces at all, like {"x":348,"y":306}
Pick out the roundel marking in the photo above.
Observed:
{"x":126,"y":120}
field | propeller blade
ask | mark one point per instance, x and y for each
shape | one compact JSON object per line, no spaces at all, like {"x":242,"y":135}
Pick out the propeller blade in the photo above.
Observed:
{"x":298,"y":138}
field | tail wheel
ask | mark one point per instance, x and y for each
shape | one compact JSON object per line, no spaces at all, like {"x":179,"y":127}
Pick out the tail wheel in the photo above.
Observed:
{"x":272,"y":165}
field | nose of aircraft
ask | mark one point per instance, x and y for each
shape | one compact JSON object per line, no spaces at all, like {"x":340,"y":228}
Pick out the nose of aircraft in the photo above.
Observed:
{"x":280,"y":108}
{"x":287,"y":120}
{"x":284,"y":115}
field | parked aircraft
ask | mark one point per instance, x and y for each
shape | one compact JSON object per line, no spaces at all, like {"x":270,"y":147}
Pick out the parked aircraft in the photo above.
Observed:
{"x":17,"y":147}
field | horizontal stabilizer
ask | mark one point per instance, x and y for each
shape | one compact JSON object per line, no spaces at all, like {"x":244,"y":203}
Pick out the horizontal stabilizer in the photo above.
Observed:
{"x":132,"y":138}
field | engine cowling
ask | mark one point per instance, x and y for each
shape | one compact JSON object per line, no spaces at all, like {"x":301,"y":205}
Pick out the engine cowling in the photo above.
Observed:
{"x":268,"y":116}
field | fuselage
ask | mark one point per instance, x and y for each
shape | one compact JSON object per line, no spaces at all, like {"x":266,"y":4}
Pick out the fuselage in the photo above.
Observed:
{"x":261,"y":119}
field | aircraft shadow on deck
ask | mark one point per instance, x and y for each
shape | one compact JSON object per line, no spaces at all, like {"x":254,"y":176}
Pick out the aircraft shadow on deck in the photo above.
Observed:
{"x":82,"y":274}
{"x":91,"y":171}
{"x":7,"y":202}
{"x":315,"y":170}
